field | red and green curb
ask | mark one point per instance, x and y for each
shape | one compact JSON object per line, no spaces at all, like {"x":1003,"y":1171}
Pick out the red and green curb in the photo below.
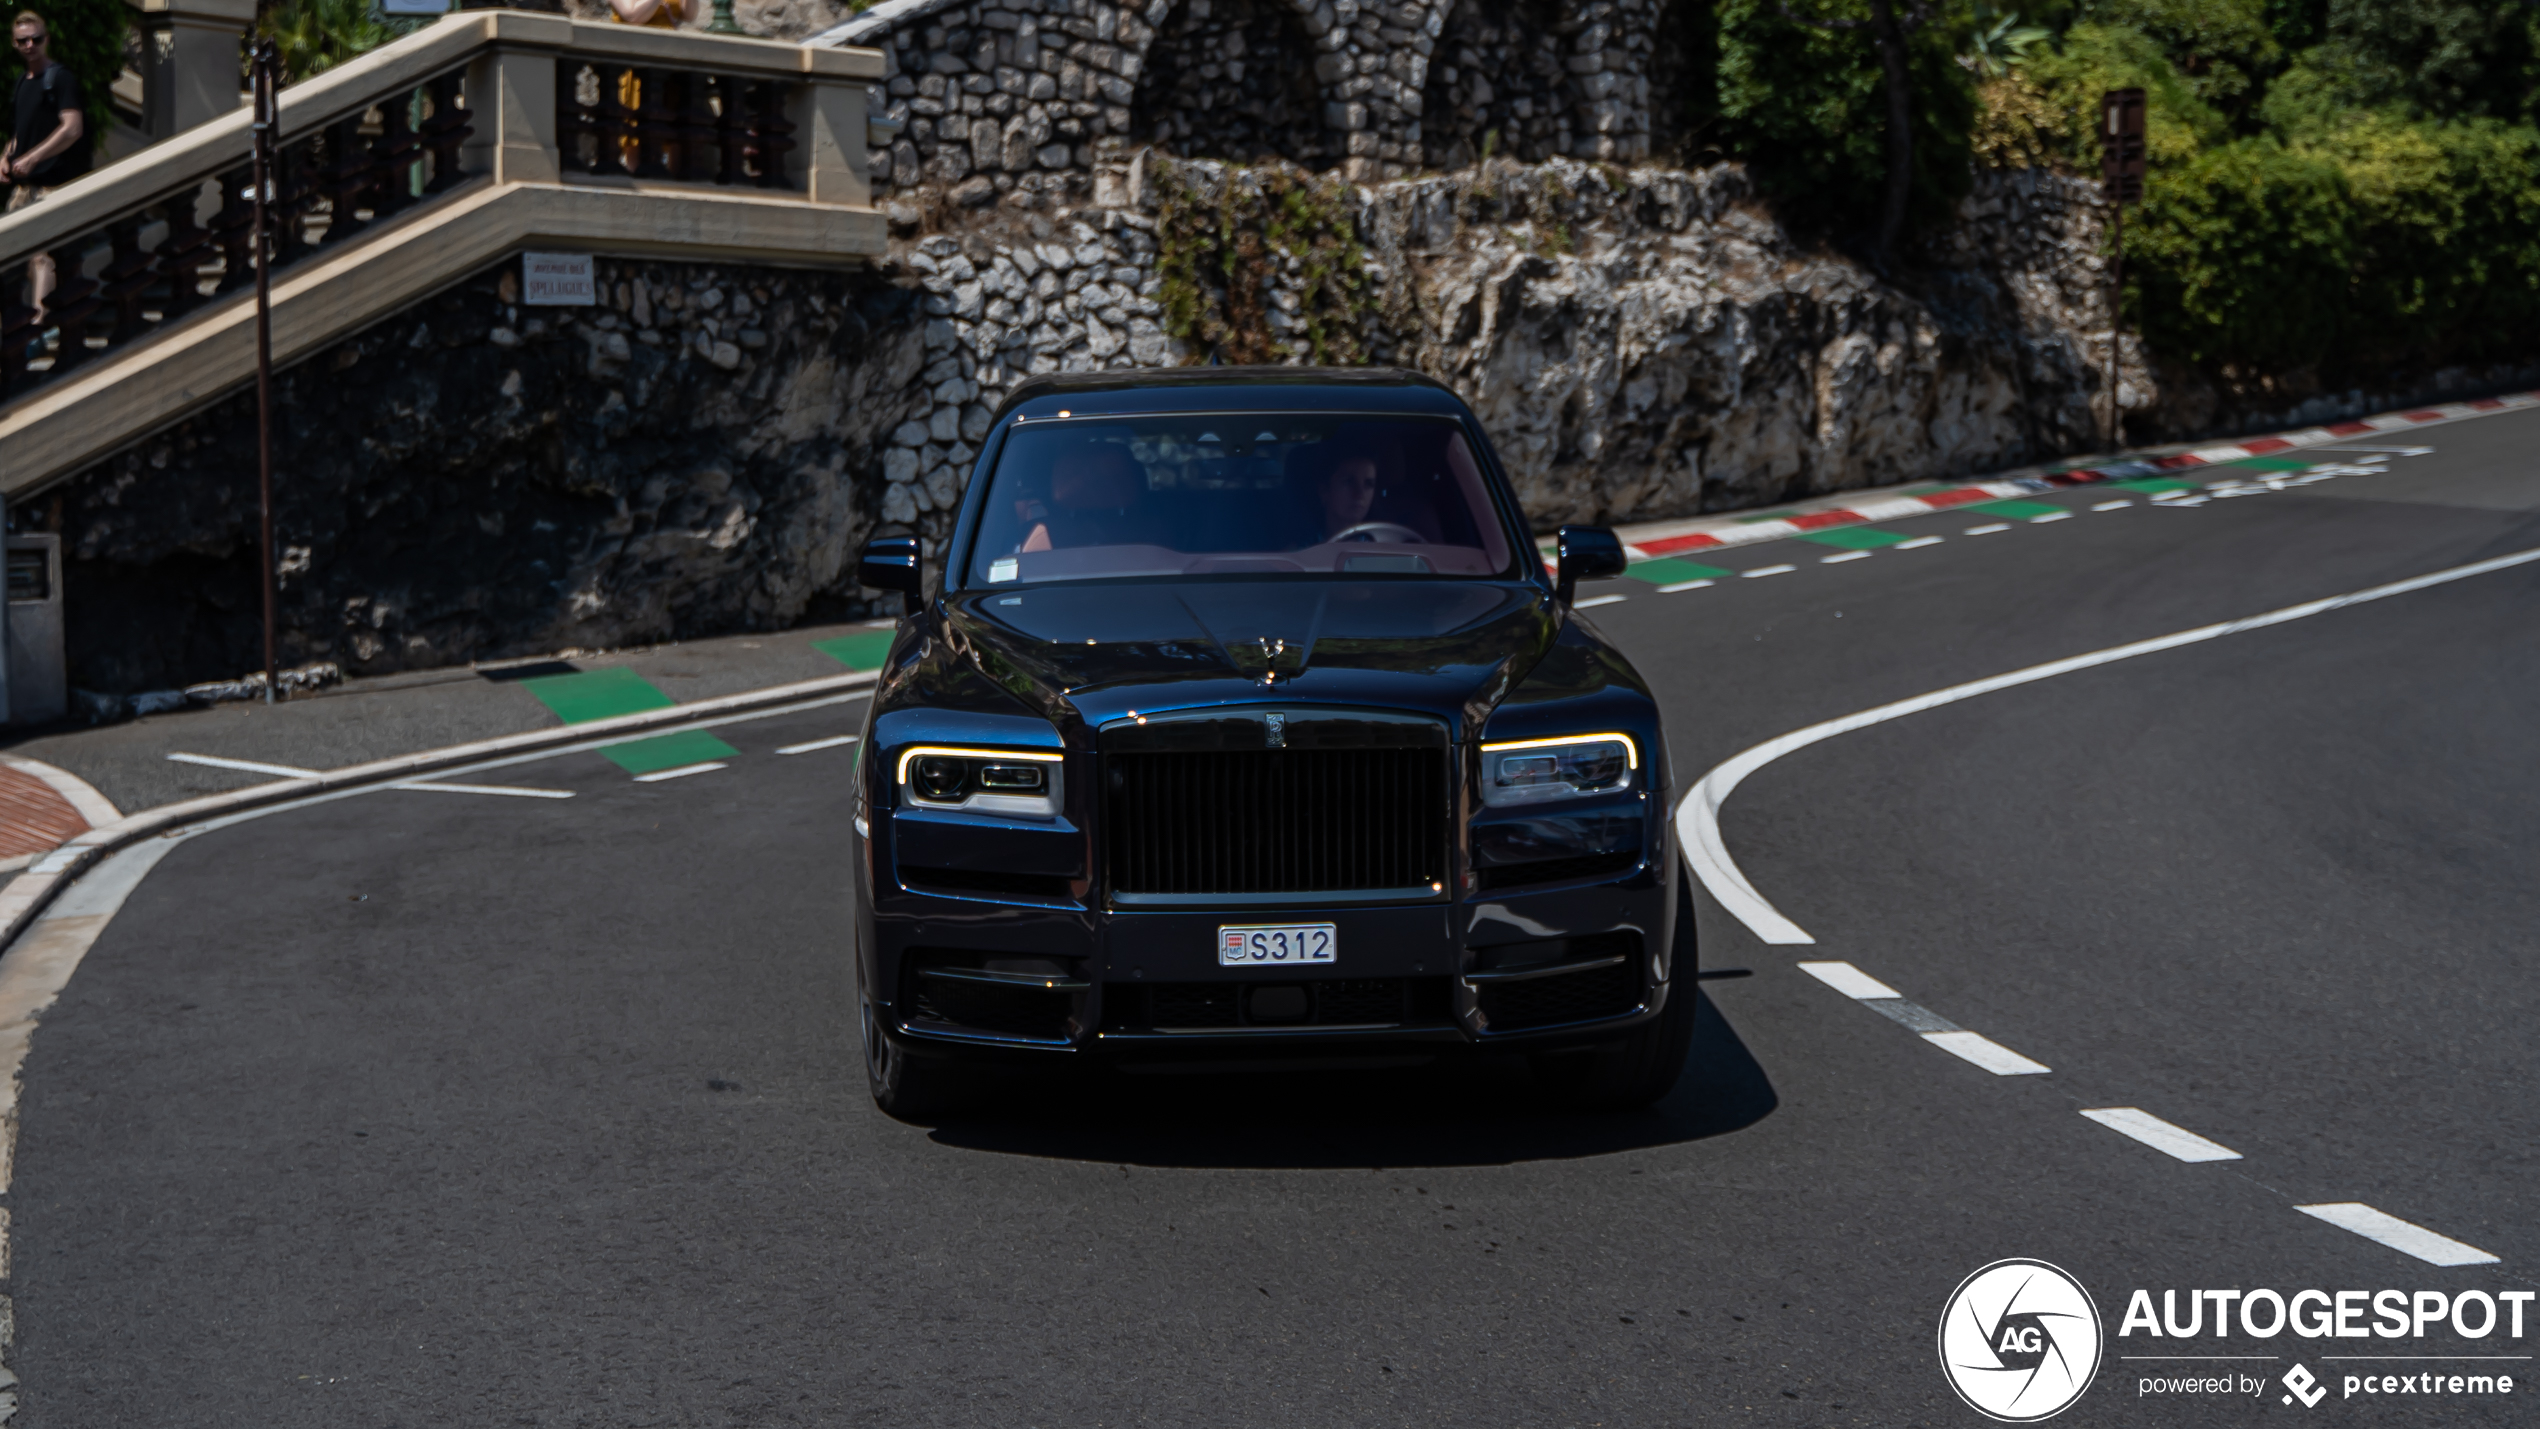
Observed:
{"x":1655,"y":545}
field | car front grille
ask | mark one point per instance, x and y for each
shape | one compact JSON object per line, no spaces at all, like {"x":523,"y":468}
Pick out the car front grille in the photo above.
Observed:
{"x":1277,"y":821}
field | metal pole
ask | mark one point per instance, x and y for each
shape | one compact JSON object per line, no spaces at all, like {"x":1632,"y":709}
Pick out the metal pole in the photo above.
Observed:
{"x":2116,"y":326}
{"x":267,"y":62}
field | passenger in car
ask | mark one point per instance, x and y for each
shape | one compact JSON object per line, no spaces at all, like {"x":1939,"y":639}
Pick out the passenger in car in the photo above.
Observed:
{"x":1097,"y":497}
{"x":1348,"y":492}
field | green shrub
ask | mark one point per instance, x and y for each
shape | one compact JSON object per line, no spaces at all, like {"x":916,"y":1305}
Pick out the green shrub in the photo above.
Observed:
{"x":1806,"y":108}
{"x":2238,"y":257}
{"x":2223,"y":48}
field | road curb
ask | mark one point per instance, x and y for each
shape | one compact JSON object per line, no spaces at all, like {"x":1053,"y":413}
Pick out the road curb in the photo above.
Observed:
{"x":1669,"y":538}
{"x":30,"y":893}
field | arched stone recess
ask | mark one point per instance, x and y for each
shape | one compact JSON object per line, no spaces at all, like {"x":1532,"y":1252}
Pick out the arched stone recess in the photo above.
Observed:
{"x":1236,"y":79}
{"x":996,"y":97}
{"x":1535,"y":79}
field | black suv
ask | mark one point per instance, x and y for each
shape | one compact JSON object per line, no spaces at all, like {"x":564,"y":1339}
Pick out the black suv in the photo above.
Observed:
{"x":1243,"y":717}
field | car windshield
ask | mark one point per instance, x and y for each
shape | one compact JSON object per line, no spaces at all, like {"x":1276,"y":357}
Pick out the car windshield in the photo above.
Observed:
{"x":1237,"y":494}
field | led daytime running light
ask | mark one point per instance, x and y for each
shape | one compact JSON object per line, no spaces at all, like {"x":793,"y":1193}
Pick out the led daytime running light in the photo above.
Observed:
{"x":920,"y":751}
{"x":1631,"y":750}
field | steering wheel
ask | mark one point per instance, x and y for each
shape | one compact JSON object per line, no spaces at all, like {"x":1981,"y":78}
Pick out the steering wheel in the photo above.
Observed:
{"x":1386,"y":530}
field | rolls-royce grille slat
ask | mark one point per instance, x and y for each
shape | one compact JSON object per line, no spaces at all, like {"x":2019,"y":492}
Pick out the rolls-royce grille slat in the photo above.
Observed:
{"x":1277,"y":821}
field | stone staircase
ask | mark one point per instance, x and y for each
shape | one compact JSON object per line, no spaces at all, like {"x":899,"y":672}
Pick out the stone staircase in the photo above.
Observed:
{"x":403,"y":172}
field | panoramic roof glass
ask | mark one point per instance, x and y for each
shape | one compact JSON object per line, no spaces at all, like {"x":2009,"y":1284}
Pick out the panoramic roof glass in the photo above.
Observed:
{"x":1256,"y":494}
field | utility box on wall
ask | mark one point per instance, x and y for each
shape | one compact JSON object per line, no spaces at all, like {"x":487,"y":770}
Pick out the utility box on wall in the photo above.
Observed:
{"x":39,"y":680}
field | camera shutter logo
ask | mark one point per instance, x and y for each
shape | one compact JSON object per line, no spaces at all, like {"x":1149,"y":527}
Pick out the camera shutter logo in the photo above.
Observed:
{"x":2019,"y":1341}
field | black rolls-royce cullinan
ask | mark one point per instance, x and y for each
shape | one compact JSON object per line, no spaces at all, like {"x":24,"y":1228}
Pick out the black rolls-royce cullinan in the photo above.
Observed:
{"x":1240,"y":718}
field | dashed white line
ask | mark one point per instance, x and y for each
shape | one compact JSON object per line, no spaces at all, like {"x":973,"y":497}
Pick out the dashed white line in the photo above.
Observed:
{"x":2160,"y":1135}
{"x":2001,"y":1061}
{"x":515,"y":791}
{"x":1848,"y":980}
{"x":1846,"y":556}
{"x":1987,"y":530}
{"x":2112,"y":506}
{"x":2050,"y":516}
{"x":1685,"y":585}
{"x":1917,"y":543}
{"x":1597,"y":600}
{"x":830,"y":743}
{"x":682,"y":772}
{"x":2399,"y":1235}
{"x":251,"y":766}
{"x":1768,"y":571}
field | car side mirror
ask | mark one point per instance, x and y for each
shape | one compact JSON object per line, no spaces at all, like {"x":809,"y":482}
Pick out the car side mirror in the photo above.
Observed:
{"x":1588,"y":553}
{"x":894,"y":563}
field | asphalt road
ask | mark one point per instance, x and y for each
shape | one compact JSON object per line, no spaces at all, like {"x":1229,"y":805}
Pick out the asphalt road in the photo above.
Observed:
{"x":413,"y":1109}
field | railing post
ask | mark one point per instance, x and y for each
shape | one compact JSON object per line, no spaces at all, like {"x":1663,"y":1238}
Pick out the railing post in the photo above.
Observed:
{"x":696,"y":145}
{"x":127,"y":278}
{"x":393,"y":155}
{"x":447,"y":129}
{"x":511,"y":113}
{"x":181,"y":254}
{"x":829,"y":117}
{"x":771,"y":134}
{"x":655,"y":124}
{"x":72,"y":303}
{"x":234,"y":229}
{"x":731,"y":126}
{"x":18,"y":327}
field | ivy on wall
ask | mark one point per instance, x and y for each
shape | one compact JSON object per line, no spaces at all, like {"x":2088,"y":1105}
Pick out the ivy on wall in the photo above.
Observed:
{"x":1236,"y":240}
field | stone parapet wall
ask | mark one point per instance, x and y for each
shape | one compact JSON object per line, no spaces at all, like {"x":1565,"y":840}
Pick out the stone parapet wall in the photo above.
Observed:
{"x":995,"y":98}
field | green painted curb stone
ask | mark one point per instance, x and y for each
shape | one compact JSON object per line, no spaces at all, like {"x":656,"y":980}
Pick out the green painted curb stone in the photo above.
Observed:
{"x":1854,"y":538}
{"x":1667,"y":570}
{"x":668,"y":751}
{"x":587,"y":695}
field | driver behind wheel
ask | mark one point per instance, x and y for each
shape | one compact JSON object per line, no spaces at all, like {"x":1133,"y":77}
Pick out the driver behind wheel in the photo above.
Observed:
{"x":1348,"y":492}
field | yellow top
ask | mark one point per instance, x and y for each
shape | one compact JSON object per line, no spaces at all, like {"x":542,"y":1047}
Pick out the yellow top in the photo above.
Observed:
{"x":665,"y":15}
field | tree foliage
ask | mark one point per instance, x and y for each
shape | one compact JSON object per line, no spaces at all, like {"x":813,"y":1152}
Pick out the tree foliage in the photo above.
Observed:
{"x":1806,"y":108}
{"x":2336,"y":184}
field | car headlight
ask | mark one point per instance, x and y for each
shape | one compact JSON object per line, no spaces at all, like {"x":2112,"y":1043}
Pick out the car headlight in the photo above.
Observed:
{"x":1527,"y":771}
{"x":1014,"y":782}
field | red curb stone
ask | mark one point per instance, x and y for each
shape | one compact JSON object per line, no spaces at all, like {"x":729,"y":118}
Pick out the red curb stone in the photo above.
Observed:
{"x":34,"y":819}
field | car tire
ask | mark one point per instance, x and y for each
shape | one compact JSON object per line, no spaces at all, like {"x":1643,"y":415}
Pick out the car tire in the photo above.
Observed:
{"x":1644,"y":1065}
{"x":910,"y":1088}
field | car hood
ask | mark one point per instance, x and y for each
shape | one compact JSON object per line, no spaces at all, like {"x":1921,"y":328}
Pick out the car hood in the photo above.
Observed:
{"x":1090,"y":653}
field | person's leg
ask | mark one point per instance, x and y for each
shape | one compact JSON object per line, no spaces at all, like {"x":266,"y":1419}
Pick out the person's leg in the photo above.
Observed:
{"x":39,"y":269}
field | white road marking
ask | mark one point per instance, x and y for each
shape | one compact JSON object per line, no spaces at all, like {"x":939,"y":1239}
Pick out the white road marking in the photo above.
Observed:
{"x":2160,"y":1135}
{"x":2185,"y":503}
{"x":1698,"y":817}
{"x":1917,"y":543}
{"x":682,"y":772}
{"x":1768,"y":571}
{"x":1848,"y":980}
{"x":249,"y":765}
{"x":2050,"y":516}
{"x":1846,"y":556}
{"x":515,"y":791}
{"x":1684,"y":585}
{"x":2112,"y":506}
{"x":1597,"y":600}
{"x":2397,"y":1234}
{"x":1988,"y":529}
{"x":830,"y":743}
{"x":2001,"y":1061}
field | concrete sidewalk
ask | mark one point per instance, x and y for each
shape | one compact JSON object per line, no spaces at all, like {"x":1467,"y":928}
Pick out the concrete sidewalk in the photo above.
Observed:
{"x":379,"y":718}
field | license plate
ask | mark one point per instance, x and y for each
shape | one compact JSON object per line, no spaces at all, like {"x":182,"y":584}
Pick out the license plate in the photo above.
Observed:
{"x":1274,"y":945}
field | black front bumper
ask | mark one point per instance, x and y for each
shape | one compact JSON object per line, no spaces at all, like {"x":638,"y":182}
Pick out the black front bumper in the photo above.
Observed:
{"x":980,"y":974}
